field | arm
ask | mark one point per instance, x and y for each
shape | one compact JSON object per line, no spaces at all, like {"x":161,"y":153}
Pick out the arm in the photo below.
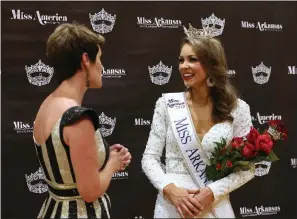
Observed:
{"x":152,"y":167}
{"x":151,"y":163}
{"x":80,"y":137}
{"x":241,"y":126}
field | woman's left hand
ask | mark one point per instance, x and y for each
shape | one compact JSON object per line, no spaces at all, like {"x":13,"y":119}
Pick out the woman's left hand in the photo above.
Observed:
{"x":204,"y":197}
{"x":124,"y":152}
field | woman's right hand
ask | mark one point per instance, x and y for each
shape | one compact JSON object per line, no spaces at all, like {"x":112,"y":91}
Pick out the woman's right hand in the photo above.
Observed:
{"x":183,"y":200}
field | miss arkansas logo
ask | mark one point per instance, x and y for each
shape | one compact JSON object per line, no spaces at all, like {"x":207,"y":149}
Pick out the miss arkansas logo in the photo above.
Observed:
{"x":182,"y":129}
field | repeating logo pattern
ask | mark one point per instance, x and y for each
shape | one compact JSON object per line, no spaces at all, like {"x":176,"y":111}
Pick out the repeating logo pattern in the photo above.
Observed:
{"x":39,"y":74}
{"x":214,"y":22}
{"x":107,"y":125}
{"x":102,"y":22}
{"x":261,"y":73}
{"x":160,"y":74}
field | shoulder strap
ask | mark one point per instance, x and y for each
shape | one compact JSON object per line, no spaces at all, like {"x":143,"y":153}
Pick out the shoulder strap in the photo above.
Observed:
{"x":75,"y":113}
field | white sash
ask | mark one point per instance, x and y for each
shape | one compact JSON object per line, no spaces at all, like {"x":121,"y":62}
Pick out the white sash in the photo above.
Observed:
{"x":188,"y":141}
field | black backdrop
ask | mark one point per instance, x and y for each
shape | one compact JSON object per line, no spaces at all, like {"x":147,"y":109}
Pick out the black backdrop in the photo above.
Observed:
{"x":145,"y":34}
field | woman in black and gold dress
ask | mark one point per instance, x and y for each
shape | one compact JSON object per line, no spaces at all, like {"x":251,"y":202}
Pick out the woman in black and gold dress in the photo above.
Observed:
{"x":77,"y":162}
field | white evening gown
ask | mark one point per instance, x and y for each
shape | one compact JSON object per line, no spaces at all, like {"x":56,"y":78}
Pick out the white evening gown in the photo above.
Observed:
{"x":175,"y":171}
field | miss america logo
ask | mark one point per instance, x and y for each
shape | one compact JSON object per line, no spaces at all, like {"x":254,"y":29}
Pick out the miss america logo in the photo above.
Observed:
{"x":172,"y":103}
{"x":43,"y":19}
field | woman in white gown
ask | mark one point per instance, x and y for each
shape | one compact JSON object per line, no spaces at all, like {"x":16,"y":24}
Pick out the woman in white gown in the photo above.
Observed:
{"x":213,"y":111}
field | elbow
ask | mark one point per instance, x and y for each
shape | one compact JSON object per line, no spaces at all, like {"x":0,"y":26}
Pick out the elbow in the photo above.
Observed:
{"x":88,"y":198}
{"x":90,"y":195}
{"x":143,"y":163}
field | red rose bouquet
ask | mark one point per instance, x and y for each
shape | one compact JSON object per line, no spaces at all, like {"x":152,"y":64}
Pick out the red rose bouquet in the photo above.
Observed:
{"x":242,"y":152}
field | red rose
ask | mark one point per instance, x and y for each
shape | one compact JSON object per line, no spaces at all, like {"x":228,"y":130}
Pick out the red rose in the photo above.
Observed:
{"x":264,"y":143}
{"x":284,"y":135}
{"x":280,"y":128}
{"x":229,"y":164}
{"x":223,"y":150}
{"x":218,"y":166}
{"x":249,"y":150}
{"x":265,"y":132}
{"x":253,"y":135}
{"x":237,"y":142}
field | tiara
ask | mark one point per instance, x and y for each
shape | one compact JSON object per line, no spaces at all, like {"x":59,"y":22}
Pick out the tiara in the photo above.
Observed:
{"x":193,"y":32}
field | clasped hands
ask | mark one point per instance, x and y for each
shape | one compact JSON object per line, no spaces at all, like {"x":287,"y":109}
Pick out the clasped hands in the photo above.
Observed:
{"x":189,"y":202}
{"x":123,"y":153}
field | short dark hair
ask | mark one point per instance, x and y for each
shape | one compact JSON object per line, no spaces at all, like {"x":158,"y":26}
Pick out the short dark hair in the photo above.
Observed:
{"x":66,"y":45}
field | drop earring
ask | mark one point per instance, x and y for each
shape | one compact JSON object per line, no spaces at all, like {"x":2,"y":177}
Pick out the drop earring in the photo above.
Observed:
{"x":87,"y":80}
{"x":209,"y":82}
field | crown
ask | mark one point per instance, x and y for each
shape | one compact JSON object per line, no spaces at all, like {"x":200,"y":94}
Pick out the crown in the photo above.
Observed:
{"x":261,"y":79}
{"x":213,"y":21}
{"x":262,"y":168}
{"x":160,"y":68}
{"x":38,"y":175}
{"x":105,"y":120}
{"x":39,"y":187}
{"x":40,"y":68}
{"x":195,"y":33}
{"x":261,"y":68}
{"x":102,"y":16}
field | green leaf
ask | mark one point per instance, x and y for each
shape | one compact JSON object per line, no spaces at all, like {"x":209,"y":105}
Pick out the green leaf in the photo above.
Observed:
{"x":261,"y":130}
{"x":237,"y":154}
{"x":218,"y":144}
{"x":272,"y":156}
{"x":242,"y":165}
{"x":211,"y":173}
{"x":214,"y":162}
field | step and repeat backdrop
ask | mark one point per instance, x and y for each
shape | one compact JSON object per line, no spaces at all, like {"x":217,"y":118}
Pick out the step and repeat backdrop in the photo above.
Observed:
{"x":140,"y":60}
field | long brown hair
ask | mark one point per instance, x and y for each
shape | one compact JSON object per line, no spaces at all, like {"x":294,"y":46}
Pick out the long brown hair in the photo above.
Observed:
{"x":211,"y":55}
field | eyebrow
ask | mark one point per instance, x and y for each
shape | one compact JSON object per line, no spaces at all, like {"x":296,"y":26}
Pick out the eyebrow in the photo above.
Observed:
{"x":189,"y":56}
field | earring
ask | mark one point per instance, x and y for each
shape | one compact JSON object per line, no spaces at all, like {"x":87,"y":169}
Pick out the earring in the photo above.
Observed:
{"x":88,"y":83}
{"x":209,"y":82}
{"x":87,"y":80}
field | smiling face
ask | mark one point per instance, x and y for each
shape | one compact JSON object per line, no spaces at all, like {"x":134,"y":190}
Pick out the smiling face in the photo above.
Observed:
{"x":202,"y":58}
{"x":190,"y":67}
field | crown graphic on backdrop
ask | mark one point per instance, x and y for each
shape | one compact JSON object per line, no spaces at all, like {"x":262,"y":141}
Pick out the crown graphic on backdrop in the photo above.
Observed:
{"x":106,"y":20}
{"x":160,"y":73}
{"x":216,"y":24}
{"x":261,"y":73}
{"x":35,"y":182}
{"x":39,"y":74}
{"x":262,"y":168}
{"x":106,"y":121}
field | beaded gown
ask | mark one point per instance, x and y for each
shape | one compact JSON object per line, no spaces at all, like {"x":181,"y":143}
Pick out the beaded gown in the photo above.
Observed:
{"x":175,"y":169}
{"x":64,"y":200}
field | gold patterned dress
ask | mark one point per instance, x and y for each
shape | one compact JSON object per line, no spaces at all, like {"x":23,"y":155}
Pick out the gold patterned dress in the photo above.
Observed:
{"x":64,"y":200}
